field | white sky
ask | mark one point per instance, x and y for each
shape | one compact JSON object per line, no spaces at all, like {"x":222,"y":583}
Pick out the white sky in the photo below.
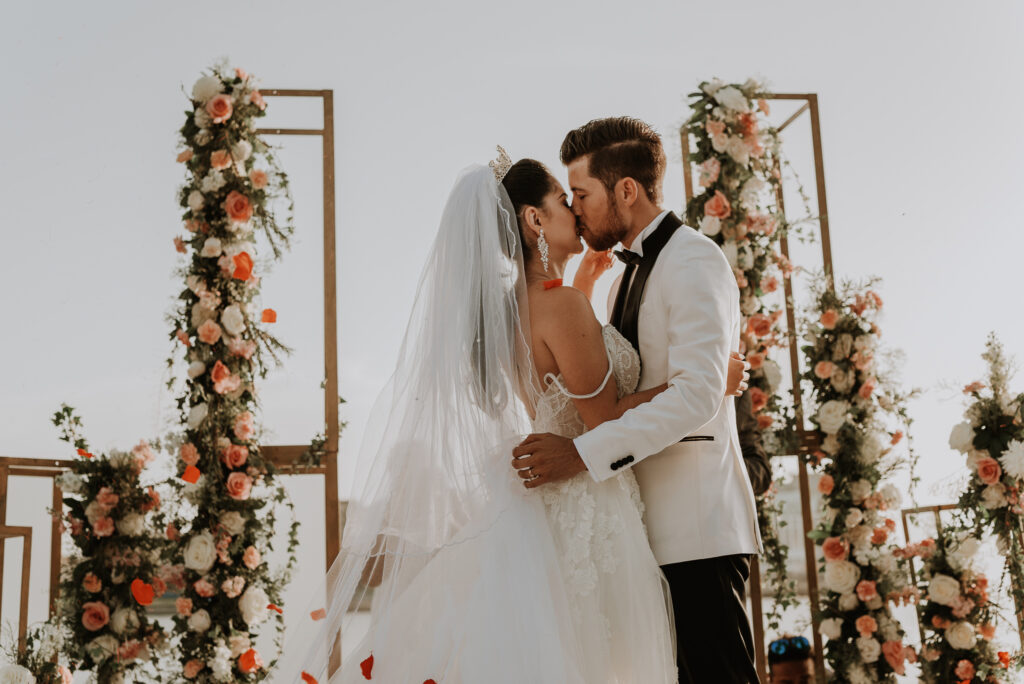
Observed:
{"x":920,"y":104}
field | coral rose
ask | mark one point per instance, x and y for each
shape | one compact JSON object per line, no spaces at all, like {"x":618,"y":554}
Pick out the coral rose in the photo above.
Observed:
{"x":823,"y":369}
{"x":91,"y":583}
{"x":867,"y":388}
{"x":718,"y":206}
{"x":987,"y":631}
{"x":238,"y":207}
{"x":989,"y":471}
{"x":895,"y":656}
{"x":236,"y":455}
{"x":964,"y":670}
{"x":879,"y":535}
{"x":826,"y":484}
{"x":243,"y":266}
{"x":867,"y":590}
{"x":250,"y":661}
{"x":220,"y":159}
{"x":866,"y":625}
{"x":259,"y":178}
{"x":103,"y":527}
{"x":95,"y":615}
{"x":257,"y":99}
{"x":239,"y":485}
{"x":759,"y":325}
{"x":758,"y":399}
{"x":185,"y":156}
{"x":829,"y":319}
{"x":209,"y":332}
{"x":835,"y":548}
{"x":193,"y":668}
{"x":204,"y":588}
{"x":251,"y":557}
{"x":764,"y":421}
{"x":219,"y":108}
{"x":245,"y":426}
{"x":756,"y":360}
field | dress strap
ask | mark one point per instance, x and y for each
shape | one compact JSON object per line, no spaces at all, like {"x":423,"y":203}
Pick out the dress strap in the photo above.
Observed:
{"x":550,"y":378}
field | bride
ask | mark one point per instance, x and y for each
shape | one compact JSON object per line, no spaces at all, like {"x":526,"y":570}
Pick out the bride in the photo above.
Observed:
{"x":472,"y":578}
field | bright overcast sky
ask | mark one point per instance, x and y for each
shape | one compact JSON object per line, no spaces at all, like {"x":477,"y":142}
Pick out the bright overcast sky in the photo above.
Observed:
{"x":919,"y":105}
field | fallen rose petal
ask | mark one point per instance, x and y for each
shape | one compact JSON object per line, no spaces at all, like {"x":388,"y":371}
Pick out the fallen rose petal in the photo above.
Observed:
{"x":271,"y":606}
{"x":367,"y":667}
{"x":84,"y":454}
{"x":142,"y":592}
{"x":319,"y":614}
{"x":191,"y":475}
{"x":269,"y":316}
{"x":308,"y":678}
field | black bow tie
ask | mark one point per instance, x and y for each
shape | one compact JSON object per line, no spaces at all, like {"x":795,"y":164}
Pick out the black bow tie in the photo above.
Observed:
{"x":628,"y":257}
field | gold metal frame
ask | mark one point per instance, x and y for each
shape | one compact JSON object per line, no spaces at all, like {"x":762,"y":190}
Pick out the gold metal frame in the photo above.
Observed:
{"x":285,"y":458}
{"x":807,"y":441}
{"x":32,"y":467}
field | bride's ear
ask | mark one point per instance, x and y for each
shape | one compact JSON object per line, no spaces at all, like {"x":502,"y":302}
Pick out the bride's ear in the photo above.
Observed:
{"x":532,"y":220}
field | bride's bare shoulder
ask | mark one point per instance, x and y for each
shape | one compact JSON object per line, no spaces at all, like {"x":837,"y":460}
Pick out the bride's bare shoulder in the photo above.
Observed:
{"x":561,"y":308}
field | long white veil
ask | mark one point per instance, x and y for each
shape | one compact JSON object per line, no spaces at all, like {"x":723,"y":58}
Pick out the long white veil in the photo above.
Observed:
{"x":434,"y":475}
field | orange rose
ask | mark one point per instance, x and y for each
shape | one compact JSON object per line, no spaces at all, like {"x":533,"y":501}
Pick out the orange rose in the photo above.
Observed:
{"x":867,"y":590}
{"x":823,"y":369}
{"x":269,"y":316}
{"x":829,"y":319}
{"x":759,"y":325}
{"x":989,"y":471}
{"x":236,"y":455}
{"x":219,"y":372}
{"x":758,"y":399}
{"x":987,"y":631}
{"x":826,"y":484}
{"x":95,"y":615}
{"x":220,"y":159}
{"x":91,"y":583}
{"x":243,"y":266}
{"x":835,"y":548}
{"x":259,"y":178}
{"x":250,"y":661}
{"x":756,"y":360}
{"x":866,"y":625}
{"x":939,"y":622}
{"x":183,"y":606}
{"x":219,"y":108}
{"x":896,"y":437}
{"x":879,"y":535}
{"x":239,"y":485}
{"x":718,"y":206}
{"x":318,"y":614}
{"x":238,"y":207}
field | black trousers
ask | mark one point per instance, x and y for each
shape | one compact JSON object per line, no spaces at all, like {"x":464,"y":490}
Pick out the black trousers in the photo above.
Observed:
{"x":714,"y":641}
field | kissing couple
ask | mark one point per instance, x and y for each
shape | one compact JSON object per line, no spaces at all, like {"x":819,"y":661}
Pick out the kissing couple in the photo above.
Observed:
{"x":612,"y":544}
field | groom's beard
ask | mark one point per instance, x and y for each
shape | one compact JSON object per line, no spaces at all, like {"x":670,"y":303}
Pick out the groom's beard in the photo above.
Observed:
{"x":611,"y":233}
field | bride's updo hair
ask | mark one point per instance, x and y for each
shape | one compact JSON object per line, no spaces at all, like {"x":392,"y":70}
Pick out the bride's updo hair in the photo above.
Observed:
{"x":528,"y":184}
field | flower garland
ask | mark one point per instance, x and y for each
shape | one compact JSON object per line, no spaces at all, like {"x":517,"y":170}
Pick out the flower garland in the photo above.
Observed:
{"x":863,"y":571}
{"x":956,"y":614}
{"x":230,"y":589}
{"x":738,"y":160}
{"x":101,"y":623}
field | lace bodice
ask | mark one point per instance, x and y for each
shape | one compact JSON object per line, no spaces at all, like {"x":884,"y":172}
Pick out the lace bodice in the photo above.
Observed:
{"x":556,"y":412}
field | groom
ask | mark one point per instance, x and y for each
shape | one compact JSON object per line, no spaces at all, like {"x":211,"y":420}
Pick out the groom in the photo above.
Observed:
{"x":678,"y":304}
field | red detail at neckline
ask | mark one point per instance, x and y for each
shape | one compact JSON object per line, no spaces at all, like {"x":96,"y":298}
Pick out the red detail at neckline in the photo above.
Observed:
{"x":548,"y":284}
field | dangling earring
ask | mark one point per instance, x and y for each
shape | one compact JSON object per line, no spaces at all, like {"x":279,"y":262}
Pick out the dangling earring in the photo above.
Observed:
{"x":542,"y":246}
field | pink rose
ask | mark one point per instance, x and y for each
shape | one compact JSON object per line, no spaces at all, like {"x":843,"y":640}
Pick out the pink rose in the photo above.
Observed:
{"x":185,"y":156}
{"x":65,"y":675}
{"x":172,"y":532}
{"x":204,"y":588}
{"x":823,"y":369}
{"x":866,"y":389}
{"x":756,"y":360}
{"x":835,"y":548}
{"x":193,"y":668}
{"x":238,"y":207}
{"x":189,"y":454}
{"x":257,"y":99}
{"x":758,"y":399}
{"x":866,"y":625}
{"x":989,"y":471}
{"x":964,"y":670}
{"x":764,"y":421}
{"x":762,"y":105}
{"x":241,"y":348}
{"x":879,"y":535}
{"x":709,"y":171}
{"x":91,"y":583}
{"x":829,"y":319}
{"x":259,"y":179}
{"x":241,"y":73}
{"x":103,"y":527}
{"x":219,"y":108}
{"x":826,"y":484}
{"x":223,"y":381}
{"x":233,"y":586}
{"x":179,"y":245}
{"x":245,"y":426}
{"x":714,"y":127}
{"x":962,"y":607}
{"x":95,"y":615}
{"x":239,"y":486}
{"x":107,"y":498}
{"x":718,"y":206}
{"x":129,"y":650}
{"x":867,"y":590}
{"x":987,"y":631}
{"x":220,"y":159}
{"x":769,"y":284}
{"x":759,"y":325}
{"x":236,"y":455}
{"x":894,"y":655}
{"x":251,"y":557}
{"x":209,"y":332}
{"x":183,"y":606}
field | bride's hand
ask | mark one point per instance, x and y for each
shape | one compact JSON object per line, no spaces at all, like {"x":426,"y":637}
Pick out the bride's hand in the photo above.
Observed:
{"x":593,"y":266}
{"x":736,"y":383}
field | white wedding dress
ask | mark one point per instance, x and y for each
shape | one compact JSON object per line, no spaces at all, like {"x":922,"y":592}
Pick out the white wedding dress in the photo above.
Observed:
{"x":562,"y":589}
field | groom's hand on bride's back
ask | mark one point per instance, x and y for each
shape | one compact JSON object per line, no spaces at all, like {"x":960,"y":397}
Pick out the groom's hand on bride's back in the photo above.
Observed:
{"x":543,"y":458}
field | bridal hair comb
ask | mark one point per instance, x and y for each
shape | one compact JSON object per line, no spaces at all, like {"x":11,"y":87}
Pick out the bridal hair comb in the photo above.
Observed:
{"x":501,"y":165}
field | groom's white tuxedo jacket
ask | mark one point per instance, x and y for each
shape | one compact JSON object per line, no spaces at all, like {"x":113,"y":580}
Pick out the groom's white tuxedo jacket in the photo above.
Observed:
{"x":698,"y":498}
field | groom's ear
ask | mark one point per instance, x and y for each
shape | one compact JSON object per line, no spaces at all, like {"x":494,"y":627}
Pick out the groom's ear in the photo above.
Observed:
{"x":627,"y":191}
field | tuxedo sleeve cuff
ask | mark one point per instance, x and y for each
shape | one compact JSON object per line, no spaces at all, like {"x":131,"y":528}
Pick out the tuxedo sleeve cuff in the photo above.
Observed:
{"x":585,"y":448}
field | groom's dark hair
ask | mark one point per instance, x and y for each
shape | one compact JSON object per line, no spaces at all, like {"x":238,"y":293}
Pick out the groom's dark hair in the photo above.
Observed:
{"x":619,"y":147}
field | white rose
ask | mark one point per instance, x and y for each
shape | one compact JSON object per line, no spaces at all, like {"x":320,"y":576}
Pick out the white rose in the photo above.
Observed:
{"x":1013,"y":459}
{"x":961,"y":636}
{"x":94,"y":511}
{"x":854,"y":518}
{"x":195,"y":283}
{"x":212,"y":182}
{"x":211,"y":248}
{"x":842,"y":380}
{"x":200,"y":552}
{"x":239,"y":644}
{"x":196,"y":368}
{"x":199,"y":621}
{"x":994,"y":496}
{"x":744,"y":258}
{"x":772,"y":373}
{"x":241,"y":150}
{"x":197,"y":415}
{"x":831,"y":628}
{"x":16,"y":674}
{"x":196,"y":201}
{"x":737,"y":148}
{"x":203,"y":137}
{"x":830,"y":445}
{"x":892,"y":495}
{"x":253,"y":605}
{"x":885,"y":563}
{"x":206,"y":87}
{"x":202,"y":119}
{"x":117,"y":575}
{"x":832,"y":415}
{"x":221,"y":663}
{"x":710,"y":225}
{"x":731,"y":251}
{"x":124,"y":620}
{"x":102,"y":647}
{"x":233,"y":320}
{"x":848,"y":602}
{"x":749,"y":304}
{"x":70,"y":482}
{"x":860,"y":490}
{"x":871,"y":449}
{"x":233,"y":522}
{"x":869,"y":649}
{"x":841,"y":576}
{"x":943,"y":589}
{"x":843,"y":347}
{"x":973,"y":456}
{"x":131,"y":525}
{"x":962,"y":437}
{"x":712,"y":86}
{"x":864,"y":343}
{"x":731,"y":98}
{"x":860,"y":537}
{"x":751,"y":192}
{"x":963,"y":555}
